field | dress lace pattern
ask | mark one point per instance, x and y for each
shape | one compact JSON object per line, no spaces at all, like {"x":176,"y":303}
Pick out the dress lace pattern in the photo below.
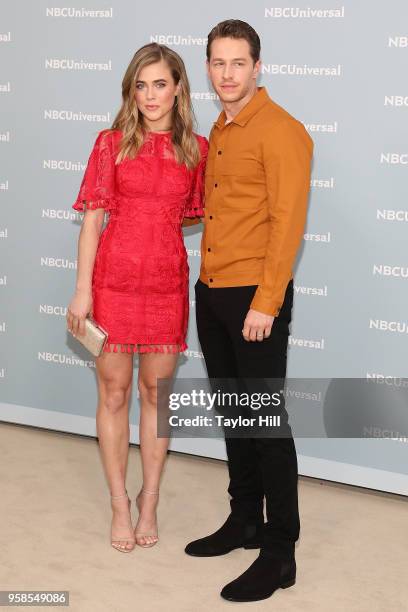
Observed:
{"x":140,"y":275}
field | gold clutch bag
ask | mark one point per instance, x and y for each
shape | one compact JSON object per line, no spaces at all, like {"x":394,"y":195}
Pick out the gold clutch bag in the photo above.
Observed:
{"x":95,"y":337}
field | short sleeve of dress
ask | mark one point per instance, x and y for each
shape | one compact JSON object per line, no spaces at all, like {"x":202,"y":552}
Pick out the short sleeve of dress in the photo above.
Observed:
{"x":195,"y":203}
{"x":98,"y":183}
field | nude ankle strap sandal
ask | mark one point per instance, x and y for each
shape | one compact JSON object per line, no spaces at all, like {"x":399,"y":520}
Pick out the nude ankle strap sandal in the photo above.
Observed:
{"x":116,"y":539}
{"x":142,"y":534}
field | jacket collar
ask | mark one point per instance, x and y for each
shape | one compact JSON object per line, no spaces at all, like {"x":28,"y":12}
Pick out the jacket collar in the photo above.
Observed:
{"x":258,"y":100}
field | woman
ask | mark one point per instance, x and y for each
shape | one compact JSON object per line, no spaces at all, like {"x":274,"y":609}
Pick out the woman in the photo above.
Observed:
{"x":147,"y":172}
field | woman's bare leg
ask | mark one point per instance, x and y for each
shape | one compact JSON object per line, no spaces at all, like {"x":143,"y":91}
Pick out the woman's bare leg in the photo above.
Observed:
{"x":153,"y":449}
{"x":115,"y":371}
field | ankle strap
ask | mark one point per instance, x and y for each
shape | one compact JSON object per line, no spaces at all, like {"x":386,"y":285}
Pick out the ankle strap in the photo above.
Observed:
{"x":150,"y":492}
{"x":119,"y":496}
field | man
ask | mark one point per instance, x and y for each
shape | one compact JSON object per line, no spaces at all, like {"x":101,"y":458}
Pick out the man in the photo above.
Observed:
{"x":256,"y":188}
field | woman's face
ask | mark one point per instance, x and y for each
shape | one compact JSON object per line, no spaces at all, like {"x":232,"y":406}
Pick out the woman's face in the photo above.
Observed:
{"x":155,"y":94}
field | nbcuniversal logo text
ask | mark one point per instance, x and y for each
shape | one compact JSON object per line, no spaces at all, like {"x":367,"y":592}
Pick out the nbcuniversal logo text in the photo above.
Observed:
{"x":306,"y":343}
{"x":178,"y":40}
{"x":320,"y":291}
{"x":395,"y":100}
{"x":68,"y":115}
{"x":58,"y":262}
{"x":193,"y":252}
{"x":62,"y":213}
{"x":61,"y":359}
{"x":301,"y":70}
{"x":49,"y":309}
{"x":204,"y":95}
{"x":317,"y":237}
{"x":400,"y":327}
{"x":63,"y":164}
{"x":328,"y":183}
{"x":392,"y":215}
{"x":70,"y":11}
{"x":394,"y":158}
{"x":322,"y":127}
{"x":193,"y":354}
{"x":385,"y":270}
{"x":394,"y":381}
{"x":398,"y":41}
{"x":71,"y":64}
{"x":278,"y":12}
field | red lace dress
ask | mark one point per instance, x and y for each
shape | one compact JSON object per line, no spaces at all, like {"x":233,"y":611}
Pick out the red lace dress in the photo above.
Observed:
{"x":140,"y":281}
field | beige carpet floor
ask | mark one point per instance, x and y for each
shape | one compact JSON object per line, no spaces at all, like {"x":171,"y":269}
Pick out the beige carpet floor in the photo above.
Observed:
{"x":55,"y":518}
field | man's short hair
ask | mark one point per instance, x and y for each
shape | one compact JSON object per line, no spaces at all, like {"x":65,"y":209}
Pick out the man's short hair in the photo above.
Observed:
{"x":235,"y":28}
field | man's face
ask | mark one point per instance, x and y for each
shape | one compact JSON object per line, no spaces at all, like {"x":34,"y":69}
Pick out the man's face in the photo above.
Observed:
{"x":231,"y":68}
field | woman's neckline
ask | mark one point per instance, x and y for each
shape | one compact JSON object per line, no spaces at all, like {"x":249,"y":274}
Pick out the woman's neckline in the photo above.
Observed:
{"x":160,"y":132}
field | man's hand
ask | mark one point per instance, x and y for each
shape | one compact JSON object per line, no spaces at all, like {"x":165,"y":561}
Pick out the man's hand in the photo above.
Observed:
{"x":257,"y":325}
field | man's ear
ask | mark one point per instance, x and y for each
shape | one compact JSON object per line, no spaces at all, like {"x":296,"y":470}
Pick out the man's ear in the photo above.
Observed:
{"x":257,"y":68}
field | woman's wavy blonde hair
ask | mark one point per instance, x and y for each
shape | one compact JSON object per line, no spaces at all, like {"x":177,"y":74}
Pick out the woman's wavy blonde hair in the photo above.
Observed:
{"x":130,"y":121}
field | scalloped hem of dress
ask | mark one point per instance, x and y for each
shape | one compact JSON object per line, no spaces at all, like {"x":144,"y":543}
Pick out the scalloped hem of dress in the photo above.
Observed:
{"x":198,"y":212}
{"x":117,"y":347}
{"x":108,"y":204}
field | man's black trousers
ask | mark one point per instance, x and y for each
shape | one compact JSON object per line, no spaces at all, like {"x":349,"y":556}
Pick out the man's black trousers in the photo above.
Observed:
{"x":259,"y":467}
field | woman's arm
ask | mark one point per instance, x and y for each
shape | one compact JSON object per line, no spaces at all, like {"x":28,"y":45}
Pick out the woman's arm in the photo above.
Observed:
{"x":81,"y":303}
{"x":96,"y":196}
{"x":87,"y":245}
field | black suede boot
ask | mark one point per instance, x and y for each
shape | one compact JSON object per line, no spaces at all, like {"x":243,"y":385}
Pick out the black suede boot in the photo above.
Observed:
{"x":233,"y":534}
{"x":261,"y":579}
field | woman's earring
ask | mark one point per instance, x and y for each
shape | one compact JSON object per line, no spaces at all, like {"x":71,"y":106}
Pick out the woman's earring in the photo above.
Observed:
{"x":176,"y":101}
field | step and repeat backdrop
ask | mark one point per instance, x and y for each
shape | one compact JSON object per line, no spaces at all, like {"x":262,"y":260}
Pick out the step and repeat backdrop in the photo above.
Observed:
{"x":340,"y":68}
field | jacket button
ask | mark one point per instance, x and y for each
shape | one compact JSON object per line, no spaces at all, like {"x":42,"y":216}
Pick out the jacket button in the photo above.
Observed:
{"x":211,"y":280}
{"x":219,"y":152}
{"x":209,"y":249}
{"x":210,"y":216}
{"x":216,"y":185}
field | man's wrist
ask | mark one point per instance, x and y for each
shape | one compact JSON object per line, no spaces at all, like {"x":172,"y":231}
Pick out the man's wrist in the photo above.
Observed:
{"x":265,"y":306}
